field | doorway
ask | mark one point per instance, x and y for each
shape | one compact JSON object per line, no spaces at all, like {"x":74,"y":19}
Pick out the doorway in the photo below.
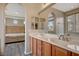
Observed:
{"x":14,"y":29}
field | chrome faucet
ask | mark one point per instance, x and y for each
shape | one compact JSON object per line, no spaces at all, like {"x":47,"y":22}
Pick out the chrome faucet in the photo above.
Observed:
{"x":64,"y":37}
{"x":61,"y":37}
{"x":67,"y":38}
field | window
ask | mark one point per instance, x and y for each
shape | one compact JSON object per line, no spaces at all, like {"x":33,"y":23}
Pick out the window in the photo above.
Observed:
{"x":51,"y":23}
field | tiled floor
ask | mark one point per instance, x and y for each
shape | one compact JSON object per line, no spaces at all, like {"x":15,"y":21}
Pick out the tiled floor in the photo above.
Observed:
{"x":14,"y":49}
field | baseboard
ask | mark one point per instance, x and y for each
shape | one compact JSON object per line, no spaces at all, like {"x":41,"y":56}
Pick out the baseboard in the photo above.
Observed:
{"x":28,"y":53}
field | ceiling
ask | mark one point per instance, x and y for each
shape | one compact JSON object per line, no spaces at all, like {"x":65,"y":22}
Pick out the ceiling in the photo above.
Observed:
{"x":64,"y":7}
{"x":14,"y":9}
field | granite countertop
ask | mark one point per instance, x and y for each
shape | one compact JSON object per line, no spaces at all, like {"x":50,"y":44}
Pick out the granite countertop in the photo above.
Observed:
{"x":72,"y":45}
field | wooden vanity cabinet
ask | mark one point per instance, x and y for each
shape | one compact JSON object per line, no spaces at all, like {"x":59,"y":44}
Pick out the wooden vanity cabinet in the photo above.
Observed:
{"x":39,"y":47}
{"x":75,"y":54}
{"x":30,"y":44}
{"x":53,"y":50}
{"x":61,"y":52}
{"x":57,"y":51}
{"x":34,"y":46}
{"x":46,"y":49}
{"x":42,"y":48}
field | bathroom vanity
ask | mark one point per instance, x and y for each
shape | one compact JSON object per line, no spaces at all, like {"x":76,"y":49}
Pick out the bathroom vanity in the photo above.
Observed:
{"x":50,"y":45}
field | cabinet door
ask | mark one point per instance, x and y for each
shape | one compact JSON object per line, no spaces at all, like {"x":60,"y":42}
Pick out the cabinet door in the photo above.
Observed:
{"x":46,"y":49}
{"x":61,"y":52}
{"x":30,"y":43}
{"x":75,"y":54}
{"x":53,"y":50}
{"x":39,"y":47}
{"x":33,"y":46}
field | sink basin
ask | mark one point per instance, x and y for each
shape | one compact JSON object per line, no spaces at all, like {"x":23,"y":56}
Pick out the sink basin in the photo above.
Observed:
{"x":59,"y":42}
{"x":49,"y":36}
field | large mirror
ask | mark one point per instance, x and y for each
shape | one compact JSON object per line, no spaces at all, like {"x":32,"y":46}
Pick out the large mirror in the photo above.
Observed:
{"x":51,"y":23}
{"x":73,"y":23}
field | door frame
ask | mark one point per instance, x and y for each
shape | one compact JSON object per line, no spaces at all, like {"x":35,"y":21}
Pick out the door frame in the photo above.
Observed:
{"x":26,"y":31}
